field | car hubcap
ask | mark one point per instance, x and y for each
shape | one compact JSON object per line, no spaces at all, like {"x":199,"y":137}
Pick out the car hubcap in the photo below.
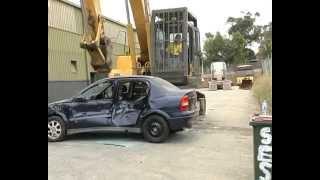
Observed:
{"x":155,"y":129}
{"x":54,"y":129}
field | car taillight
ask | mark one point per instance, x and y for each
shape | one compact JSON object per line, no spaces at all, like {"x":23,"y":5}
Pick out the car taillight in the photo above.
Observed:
{"x":184,"y":103}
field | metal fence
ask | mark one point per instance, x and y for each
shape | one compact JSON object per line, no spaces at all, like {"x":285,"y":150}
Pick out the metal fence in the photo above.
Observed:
{"x":267,"y":66}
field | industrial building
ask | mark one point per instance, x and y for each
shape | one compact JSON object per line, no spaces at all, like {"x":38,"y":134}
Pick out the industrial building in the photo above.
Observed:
{"x":69,"y":68}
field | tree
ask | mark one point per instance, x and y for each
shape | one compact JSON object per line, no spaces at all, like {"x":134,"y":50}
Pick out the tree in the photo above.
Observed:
{"x":265,"y":48}
{"x":209,"y":35}
{"x":238,"y":44}
{"x":246,"y":27}
{"x":228,"y":52}
{"x":218,"y":48}
{"x":214,"y":47}
{"x":235,"y":49}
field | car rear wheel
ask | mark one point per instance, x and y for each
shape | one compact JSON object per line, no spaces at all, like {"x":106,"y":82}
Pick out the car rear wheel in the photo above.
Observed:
{"x":155,"y":129}
{"x":56,"y":129}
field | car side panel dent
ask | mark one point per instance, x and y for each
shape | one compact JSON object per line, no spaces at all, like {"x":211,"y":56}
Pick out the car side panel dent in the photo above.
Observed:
{"x":125,"y":114}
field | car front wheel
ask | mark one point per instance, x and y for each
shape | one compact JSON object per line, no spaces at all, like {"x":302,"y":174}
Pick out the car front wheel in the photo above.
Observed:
{"x":56,"y":129}
{"x":155,"y":129}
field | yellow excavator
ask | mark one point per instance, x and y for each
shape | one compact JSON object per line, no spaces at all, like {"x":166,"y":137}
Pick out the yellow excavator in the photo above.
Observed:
{"x":169,"y":42}
{"x":99,"y":46}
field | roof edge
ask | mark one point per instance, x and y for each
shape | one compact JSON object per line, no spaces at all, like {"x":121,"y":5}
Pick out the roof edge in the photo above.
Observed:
{"x":106,"y":18}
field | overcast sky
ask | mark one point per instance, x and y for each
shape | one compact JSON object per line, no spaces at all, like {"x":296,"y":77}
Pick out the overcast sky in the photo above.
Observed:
{"x":211,"y":14}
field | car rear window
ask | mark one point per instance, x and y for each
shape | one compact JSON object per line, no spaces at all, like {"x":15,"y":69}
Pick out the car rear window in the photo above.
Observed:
{"x":164,"y":84}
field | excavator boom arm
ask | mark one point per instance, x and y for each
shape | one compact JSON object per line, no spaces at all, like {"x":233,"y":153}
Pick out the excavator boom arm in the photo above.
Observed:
{"x":141,"y":15}
{"x":99,"y":46}
{"x":94,"y":39}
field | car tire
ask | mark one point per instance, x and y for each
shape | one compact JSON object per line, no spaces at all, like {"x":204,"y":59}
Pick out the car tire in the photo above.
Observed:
{"x":56,"y":129}
{"x":155,"y":129}
{"x":203,"y":108}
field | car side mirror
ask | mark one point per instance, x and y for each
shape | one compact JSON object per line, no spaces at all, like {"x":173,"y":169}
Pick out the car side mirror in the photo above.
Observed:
{"x":79,"y":99}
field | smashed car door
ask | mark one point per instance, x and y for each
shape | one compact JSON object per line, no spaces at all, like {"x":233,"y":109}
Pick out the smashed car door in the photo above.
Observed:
{"x":96,"y":108}
{"x":98,"y":114}
{"x":132,"y":100}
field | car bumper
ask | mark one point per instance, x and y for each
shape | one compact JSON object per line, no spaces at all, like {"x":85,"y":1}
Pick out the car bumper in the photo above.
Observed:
{"x":178,"y":123}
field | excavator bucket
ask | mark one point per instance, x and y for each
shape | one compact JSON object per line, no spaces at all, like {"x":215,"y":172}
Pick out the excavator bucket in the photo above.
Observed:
{"x":246,"y":84}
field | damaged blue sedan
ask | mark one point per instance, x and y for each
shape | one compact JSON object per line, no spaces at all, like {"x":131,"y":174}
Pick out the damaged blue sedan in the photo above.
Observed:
{"x":135,"y":104}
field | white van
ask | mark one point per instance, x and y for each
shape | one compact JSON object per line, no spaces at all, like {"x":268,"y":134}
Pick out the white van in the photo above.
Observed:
{"x":218,"y":70}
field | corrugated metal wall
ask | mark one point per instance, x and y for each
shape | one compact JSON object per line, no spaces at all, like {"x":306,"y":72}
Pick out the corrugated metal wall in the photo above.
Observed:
{"x":64,"y":16}
{"x":62,"y":48}
{"x":64,"y":34}
{"x":67,"y":17}
{"x":58,"y":90}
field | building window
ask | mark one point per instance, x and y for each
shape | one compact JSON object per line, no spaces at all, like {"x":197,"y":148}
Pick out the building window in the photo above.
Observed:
{"x":74,"y":66}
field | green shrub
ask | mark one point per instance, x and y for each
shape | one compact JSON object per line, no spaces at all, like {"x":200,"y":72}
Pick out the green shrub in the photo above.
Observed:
{"x":262,"y":90}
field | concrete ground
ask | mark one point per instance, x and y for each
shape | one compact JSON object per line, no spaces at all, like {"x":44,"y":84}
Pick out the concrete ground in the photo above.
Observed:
{"x":218,"y":147}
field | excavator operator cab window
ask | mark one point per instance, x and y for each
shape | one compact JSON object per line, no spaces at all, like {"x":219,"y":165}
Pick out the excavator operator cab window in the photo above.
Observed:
{"x":175,"y":45}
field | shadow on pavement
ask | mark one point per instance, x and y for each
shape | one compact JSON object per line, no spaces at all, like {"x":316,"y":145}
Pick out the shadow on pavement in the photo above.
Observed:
{"x":181,"y":138}
{"x":176,"y":138}
{"x":104,"y":136}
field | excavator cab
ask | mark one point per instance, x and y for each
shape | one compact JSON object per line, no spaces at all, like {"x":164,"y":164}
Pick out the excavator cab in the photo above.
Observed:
{"x":169,"y":43}
{"x":175,"y":45}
